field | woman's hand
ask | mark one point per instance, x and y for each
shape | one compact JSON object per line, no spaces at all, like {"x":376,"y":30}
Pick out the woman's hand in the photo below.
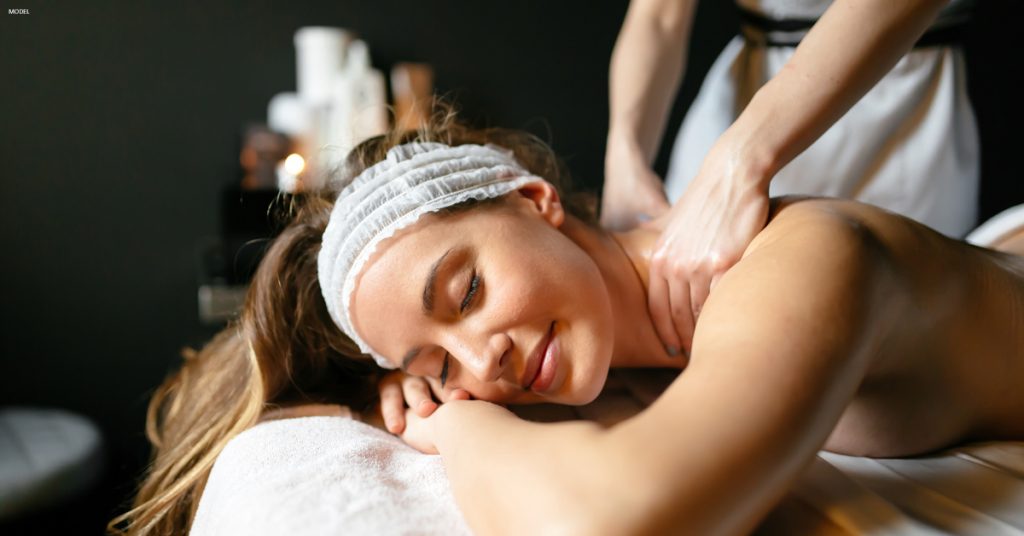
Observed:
{"x":420,"y":431}
{"x":632,"y":192}
{"x":705,"y":233}
{"x":398,"y":389}
{"x":449,"y":423}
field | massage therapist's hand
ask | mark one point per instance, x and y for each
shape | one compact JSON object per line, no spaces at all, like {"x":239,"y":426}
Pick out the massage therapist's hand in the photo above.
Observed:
{"x":398,"y":389}
{"x":704,"y":234}
{"x":632,"y":192}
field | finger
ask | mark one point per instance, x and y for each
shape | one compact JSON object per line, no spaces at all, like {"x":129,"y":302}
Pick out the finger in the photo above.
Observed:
{"x":459,"y":394}
{"x":436,"y":389}
{"x":700,"y":286}
{"x":659,"y":305}
{"x":417,"y":435}
{"x":615,"y":221}
{"x":392,"y":406}
{"x":417,"y":395}
{"x":682,"y":313}
{"x":714,"y":282}
{"x":661,"y":206}
{"x":447,"y":396}
{"x":718,"y":270}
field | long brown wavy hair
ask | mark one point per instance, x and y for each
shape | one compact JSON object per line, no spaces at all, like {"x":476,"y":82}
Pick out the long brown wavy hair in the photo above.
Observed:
{"x":284,"y":349}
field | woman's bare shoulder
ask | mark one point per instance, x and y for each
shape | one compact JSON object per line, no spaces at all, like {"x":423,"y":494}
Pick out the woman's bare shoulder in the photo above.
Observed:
{"x":817,"y":223}
{"x":824,"y":222}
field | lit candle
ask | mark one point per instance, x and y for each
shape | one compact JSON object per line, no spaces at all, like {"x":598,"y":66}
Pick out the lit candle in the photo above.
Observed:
{"x":288,"y":173}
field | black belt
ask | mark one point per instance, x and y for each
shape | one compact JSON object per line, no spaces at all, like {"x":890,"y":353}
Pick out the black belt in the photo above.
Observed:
{"x":757,"y":30}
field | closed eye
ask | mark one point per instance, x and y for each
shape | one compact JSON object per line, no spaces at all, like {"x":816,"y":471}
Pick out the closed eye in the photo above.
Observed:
{"x":474,"y":284}
{"x":444,"y":370}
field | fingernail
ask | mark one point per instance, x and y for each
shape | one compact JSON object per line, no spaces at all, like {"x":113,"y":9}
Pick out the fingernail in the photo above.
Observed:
{"x":672,"y":350}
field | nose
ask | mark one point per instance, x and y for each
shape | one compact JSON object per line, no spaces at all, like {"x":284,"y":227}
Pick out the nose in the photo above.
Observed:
{"x":485,"y":357}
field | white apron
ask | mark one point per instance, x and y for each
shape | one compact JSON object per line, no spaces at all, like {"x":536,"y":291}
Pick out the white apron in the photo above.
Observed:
{"x":910,"y":145}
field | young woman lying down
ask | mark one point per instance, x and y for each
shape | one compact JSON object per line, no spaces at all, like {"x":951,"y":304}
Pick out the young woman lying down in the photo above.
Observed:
{"x":453,"y":255}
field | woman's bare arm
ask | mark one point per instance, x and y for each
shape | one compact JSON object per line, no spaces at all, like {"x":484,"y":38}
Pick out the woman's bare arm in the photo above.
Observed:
{"x":782,"y":347}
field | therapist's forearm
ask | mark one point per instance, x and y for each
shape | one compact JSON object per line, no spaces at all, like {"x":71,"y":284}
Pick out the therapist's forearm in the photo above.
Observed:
{"x":646,"y":68}
{"x":852,"y":46}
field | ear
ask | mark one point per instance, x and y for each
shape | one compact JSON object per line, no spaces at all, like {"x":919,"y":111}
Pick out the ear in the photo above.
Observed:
{"x":542,"y":197}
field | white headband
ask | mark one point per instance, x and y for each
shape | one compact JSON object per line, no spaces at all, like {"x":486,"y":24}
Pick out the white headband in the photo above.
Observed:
{"x":414,"y":179}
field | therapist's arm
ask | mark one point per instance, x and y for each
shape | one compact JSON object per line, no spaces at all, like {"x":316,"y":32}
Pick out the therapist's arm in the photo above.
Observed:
{"x":847,"y":51}
{"x":646,"y":68}
{"x":852,"y":46}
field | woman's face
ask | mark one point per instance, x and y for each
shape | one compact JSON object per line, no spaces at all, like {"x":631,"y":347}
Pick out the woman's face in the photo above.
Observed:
{"x":495,"y":300}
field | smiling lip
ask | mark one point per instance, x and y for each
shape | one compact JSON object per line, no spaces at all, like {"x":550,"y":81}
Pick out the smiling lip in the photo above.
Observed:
{"x":536,"y":358}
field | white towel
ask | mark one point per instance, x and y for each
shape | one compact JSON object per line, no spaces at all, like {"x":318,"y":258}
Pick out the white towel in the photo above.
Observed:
{"x":999,"y":226}
{"x":325,"y":476}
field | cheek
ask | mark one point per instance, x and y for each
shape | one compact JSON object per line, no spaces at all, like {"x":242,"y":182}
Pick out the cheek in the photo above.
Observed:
{"x":589,"y":347}
{"x":550,"y":269}
{"x":591,"y":337}
{"x":583,"y":305}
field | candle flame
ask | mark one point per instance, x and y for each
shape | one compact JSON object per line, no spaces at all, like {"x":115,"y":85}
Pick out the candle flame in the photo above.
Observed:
{"x":294,"y":164}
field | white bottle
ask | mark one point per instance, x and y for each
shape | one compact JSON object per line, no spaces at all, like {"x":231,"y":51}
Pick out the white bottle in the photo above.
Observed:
{"x":359,"y":104}
{"x":319,"y":55}
{"x":288,"y":114}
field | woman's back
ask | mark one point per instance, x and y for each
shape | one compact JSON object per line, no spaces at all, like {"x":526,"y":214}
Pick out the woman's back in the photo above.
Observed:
{"x":950,"y":370}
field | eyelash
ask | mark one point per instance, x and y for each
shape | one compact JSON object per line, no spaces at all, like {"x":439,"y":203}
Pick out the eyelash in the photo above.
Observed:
{"x":474,"y":284}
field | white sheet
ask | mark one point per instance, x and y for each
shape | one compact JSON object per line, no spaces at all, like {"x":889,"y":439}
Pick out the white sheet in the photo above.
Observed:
{"x":325,"y":476}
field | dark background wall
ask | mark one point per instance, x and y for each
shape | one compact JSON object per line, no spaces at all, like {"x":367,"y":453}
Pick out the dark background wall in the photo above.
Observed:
{"x":119,"y":126}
